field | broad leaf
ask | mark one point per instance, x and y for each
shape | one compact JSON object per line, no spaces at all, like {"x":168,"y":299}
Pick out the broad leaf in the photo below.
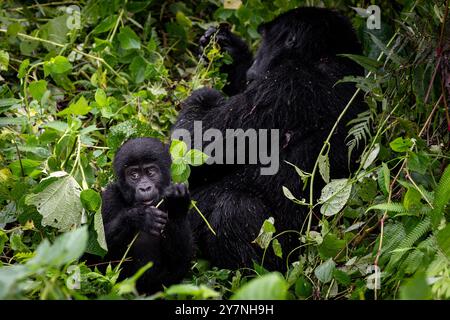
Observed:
{"x":59,"y":203}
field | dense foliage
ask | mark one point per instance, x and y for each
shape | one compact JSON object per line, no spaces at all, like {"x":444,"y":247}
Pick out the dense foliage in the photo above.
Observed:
{"x":76,"y":81}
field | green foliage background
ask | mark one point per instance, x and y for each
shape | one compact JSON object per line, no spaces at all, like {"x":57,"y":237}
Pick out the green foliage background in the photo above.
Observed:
{"x":75,"y":82}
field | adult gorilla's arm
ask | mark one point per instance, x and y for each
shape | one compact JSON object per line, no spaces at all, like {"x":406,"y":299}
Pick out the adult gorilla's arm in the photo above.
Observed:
{"x":239,"y":52}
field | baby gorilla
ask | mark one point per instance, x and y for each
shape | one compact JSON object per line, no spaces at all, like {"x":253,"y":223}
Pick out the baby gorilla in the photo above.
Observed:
{"x":142,"y":168}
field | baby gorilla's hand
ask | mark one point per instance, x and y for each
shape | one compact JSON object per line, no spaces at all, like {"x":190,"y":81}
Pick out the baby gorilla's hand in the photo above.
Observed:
{"x":153,"y":220}
{"x":177,"y":200}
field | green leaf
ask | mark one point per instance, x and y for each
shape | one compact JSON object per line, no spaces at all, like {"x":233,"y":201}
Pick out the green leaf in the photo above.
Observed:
{"x":195,"y":157}
{"x":4,"y":60}
{"x":37,"y":89}
{"x":100,"y":98}
{"x":324,"y":272}
{"x":324,"y":167}
{"x":276,"y":246}
{"x":183,"y":176}
{"x":341,"y":277}
{"x":177,"y":169}
{"x":90,"y":199}
{"x":79,"y":108}
{"x":271,"y":286}
{"x":371,"y":156}
{"x":177,"y":149}
{"x":128,"y":39}
{"x":401,"y":145}
{"x":416,"y":288}
{"x":443,"y":240}
{"x":366,"y":62}
{"x":17,"y":244}
{"x":303,"y":287}
{"x":23,"y":68}
{"x":59,"y":203}
{"x":330,"y":246}
{"x":28,"y":166}
{"x":137,"y":70}
{"x":334,"y":196}
{"x":391,"y":207}
{"x":412,"y":199}
{"x":106,"y":25}
{"x":384,"y":178}
{"x":99,"y":229}
{"x":288,"y":194}
{"x":3,"y":240}
{"x":199,"y":292}
{"x":441,"y":197}
{"x":66,"y":248}
{"x":265,"y":233}
{"x":57,"y":65}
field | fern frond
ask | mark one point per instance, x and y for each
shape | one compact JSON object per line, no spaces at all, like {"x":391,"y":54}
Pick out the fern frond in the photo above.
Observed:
{"x":360,"y":131}
{"x":441,"y":197}
{"x":415,"y":234}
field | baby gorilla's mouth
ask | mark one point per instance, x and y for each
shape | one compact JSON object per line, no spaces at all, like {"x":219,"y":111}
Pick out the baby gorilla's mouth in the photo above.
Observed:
{"x":148,"y":202}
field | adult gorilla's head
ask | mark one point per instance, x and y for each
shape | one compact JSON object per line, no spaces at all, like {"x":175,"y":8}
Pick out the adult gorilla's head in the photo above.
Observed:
{"x":142,"y":166}
{"x":304,"y":34}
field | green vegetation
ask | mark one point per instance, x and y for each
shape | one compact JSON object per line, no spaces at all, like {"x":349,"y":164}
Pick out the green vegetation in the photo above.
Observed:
{"x":75,"y":82}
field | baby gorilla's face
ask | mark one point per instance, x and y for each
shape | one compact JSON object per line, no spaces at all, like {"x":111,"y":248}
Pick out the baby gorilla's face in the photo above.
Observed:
{"x":145,"y":180}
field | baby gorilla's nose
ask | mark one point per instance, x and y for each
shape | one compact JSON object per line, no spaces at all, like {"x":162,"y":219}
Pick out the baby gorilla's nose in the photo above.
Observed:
{"x":145,"y":189}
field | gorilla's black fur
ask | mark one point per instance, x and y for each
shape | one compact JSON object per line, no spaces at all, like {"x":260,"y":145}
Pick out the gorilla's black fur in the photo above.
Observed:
{"x":142,"y":167}
{"x":291,"y":87}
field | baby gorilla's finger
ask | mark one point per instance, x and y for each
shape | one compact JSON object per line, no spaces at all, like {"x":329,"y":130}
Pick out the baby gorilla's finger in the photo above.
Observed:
{"x":155,"y":233}
{"x":162,"y":220}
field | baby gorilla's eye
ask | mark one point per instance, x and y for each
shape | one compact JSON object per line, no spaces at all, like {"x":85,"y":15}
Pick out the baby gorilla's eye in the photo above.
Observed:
{"x":134,"y":174}
{"x":150,"y":171}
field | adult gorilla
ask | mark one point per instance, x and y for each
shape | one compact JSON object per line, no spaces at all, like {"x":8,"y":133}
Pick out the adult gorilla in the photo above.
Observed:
{"x":291,"y":86}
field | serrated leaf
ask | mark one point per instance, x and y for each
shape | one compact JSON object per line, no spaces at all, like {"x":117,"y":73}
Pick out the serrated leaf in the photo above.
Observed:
{"x":271,"y":286}
{"x":334,"y":196}
{"x":195,"y":157}
{"x":177,"y":149}
{"x":183,"y":176}
{"x":59,"y":203}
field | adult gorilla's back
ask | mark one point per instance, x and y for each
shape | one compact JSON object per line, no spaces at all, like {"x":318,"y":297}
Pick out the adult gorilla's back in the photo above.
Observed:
{"x":291,"y":87}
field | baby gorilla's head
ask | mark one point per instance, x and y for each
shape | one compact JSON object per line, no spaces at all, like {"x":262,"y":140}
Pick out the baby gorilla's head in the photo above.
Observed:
{"x":142,"y":166}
